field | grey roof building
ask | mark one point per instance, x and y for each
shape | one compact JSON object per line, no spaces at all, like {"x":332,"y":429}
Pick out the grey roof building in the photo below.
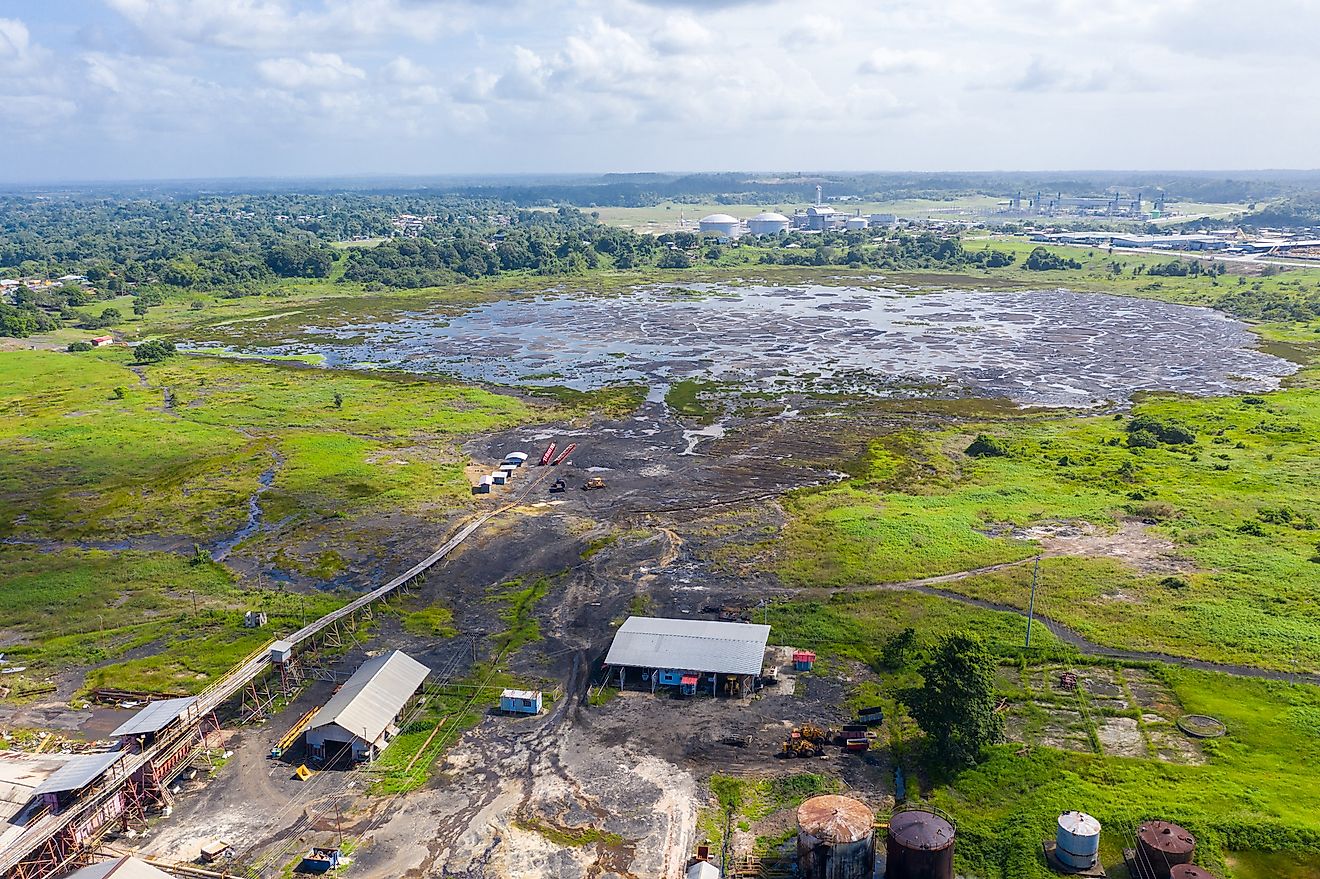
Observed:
{"x":691,"y":645}
{"x":361,"y":715}
{"x":78,"y":773}
{"x":155,"y":717}
{"x":127,"y":867}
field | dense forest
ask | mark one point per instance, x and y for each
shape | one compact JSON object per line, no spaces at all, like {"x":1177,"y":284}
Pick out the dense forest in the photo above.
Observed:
{"x":158,"y":242}
{"x":164,"y":245}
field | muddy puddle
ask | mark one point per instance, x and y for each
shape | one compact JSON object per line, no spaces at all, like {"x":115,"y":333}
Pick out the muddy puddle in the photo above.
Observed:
{"x":1037,"y":347}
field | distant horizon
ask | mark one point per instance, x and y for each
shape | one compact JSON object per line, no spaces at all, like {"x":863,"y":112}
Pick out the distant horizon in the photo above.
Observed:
{"x":477,"y":178}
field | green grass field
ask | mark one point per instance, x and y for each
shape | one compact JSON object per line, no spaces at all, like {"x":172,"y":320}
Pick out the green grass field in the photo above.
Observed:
{"x":100,"y":454}
{"x":146,"y":621}
{"x":1248,"y":802}
{"x":1239,"y":507}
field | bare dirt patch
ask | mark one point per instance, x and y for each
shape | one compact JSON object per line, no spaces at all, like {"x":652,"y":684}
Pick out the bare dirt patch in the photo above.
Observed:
{"x":1131,"y":542}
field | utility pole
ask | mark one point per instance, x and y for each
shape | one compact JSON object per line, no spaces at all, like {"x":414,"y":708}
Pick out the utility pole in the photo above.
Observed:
{"x":1031,"y":606}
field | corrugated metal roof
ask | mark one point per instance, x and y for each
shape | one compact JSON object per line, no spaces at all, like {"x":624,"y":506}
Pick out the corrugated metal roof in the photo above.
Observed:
{"x":691,"y":645}
{"x":521,"y":694}
{"x":371,"y":699}
{"x":78,"y":773}
{"x":20,"y":775}
{"x":121,"y":868}
{"x":155,"y":717}
{"x":703,"y":870}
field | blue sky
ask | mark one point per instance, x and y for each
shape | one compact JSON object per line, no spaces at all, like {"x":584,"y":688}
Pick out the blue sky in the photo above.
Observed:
{"x":112,"y":89}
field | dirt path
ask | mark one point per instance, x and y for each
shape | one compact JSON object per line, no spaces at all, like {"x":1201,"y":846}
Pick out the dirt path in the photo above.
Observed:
{"x":1085,"y":646}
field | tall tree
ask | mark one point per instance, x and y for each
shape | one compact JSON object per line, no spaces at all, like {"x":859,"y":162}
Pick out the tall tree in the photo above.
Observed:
{"x":955,"y":705}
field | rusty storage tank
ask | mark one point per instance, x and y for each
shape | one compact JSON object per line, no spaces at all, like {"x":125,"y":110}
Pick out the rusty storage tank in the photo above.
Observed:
{"x":1187,"y":871}
{"x":1161,"y":846}
{"x":919,"y":846}
{"x":836,"y":839}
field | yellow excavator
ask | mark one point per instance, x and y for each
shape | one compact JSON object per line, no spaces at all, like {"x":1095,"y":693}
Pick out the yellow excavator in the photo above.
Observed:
{"x":807,"y":740}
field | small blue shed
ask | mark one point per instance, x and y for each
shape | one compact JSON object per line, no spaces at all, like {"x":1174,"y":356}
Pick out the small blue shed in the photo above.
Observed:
{"x":521,"y":701}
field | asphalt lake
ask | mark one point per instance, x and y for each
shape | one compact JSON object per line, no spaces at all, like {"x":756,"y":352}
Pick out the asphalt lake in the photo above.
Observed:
{"x":1036,"y":347}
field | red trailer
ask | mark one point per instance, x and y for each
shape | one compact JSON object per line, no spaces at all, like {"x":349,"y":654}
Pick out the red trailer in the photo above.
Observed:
{"x":549,"y":453}
{"x":568,"y":450}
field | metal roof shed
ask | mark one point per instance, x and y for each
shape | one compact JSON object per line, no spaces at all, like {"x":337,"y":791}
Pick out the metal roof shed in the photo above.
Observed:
{"x":155,"y":717}
{"x":78,"y":773}
{"x":692,"y":645}
{"x":366,"y":706}
{"x":127,"y":867}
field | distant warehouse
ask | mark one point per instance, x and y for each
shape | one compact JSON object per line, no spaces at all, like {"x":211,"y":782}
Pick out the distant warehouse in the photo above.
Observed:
{"x":693,"y":656}
{"x":360,"y":719}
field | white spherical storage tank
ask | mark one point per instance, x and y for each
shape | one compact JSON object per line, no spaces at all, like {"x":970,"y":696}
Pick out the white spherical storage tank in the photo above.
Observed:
{"x":1077,"y":840}
{"x":768,"y":223}
{"x":719,"y":224}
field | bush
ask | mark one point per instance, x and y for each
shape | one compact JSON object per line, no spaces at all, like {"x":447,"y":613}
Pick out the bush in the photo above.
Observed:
{"x":80,"y":346}
{"x":986,"y":446}
{"x":674,"y":259}
{"x":1143,"y":439}
{"x":1166,"y":430}
{"x":153,"y":351}
{"x":1042,"y":260}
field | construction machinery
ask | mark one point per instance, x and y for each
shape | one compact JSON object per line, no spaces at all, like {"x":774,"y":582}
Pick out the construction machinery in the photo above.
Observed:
{"x":287,"y":740}
{"x":807,"y":740}
{"x":558,"y":486}
{"x":593,"y":483}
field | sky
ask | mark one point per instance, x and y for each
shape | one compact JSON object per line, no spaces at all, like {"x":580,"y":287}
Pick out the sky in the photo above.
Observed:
{"x":147,"y":89}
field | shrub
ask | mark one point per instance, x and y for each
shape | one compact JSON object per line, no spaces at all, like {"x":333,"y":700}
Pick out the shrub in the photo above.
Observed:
{"x":1143,"y":439}
{"x":1042,"y":260}
{"x":1166,"y":430}
{"x":153,"y":351}
{"x":80,"y":346}
{"x":986,"y":446}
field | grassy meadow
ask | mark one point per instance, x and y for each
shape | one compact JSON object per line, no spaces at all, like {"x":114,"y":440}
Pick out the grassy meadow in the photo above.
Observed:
{"x":116,"y":470}
{"x":1248,"y":800}
{"x":1235,"y":513}
{"x":141,"y":621}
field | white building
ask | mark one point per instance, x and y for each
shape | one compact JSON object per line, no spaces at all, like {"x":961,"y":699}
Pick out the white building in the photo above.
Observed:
{"x":820,"y":217}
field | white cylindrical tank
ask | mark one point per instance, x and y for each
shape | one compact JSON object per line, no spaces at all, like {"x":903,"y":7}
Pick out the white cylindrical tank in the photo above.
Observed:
{"x":768,"y":223}
{"x":1077,"y":842}
{"x":719,"y":224}
{"x":856,"y":224}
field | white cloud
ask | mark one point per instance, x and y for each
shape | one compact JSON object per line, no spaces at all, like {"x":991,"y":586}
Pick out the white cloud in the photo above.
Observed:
{"x":405,"y":71}
{"x":812,"y":30}
{"x":267,"y":25}
{"x":881,"y":62}
{"x":313,"y":71}
{"x":681,"y":34}
{"x":636,"y":84}
{"x":14,"y":38}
